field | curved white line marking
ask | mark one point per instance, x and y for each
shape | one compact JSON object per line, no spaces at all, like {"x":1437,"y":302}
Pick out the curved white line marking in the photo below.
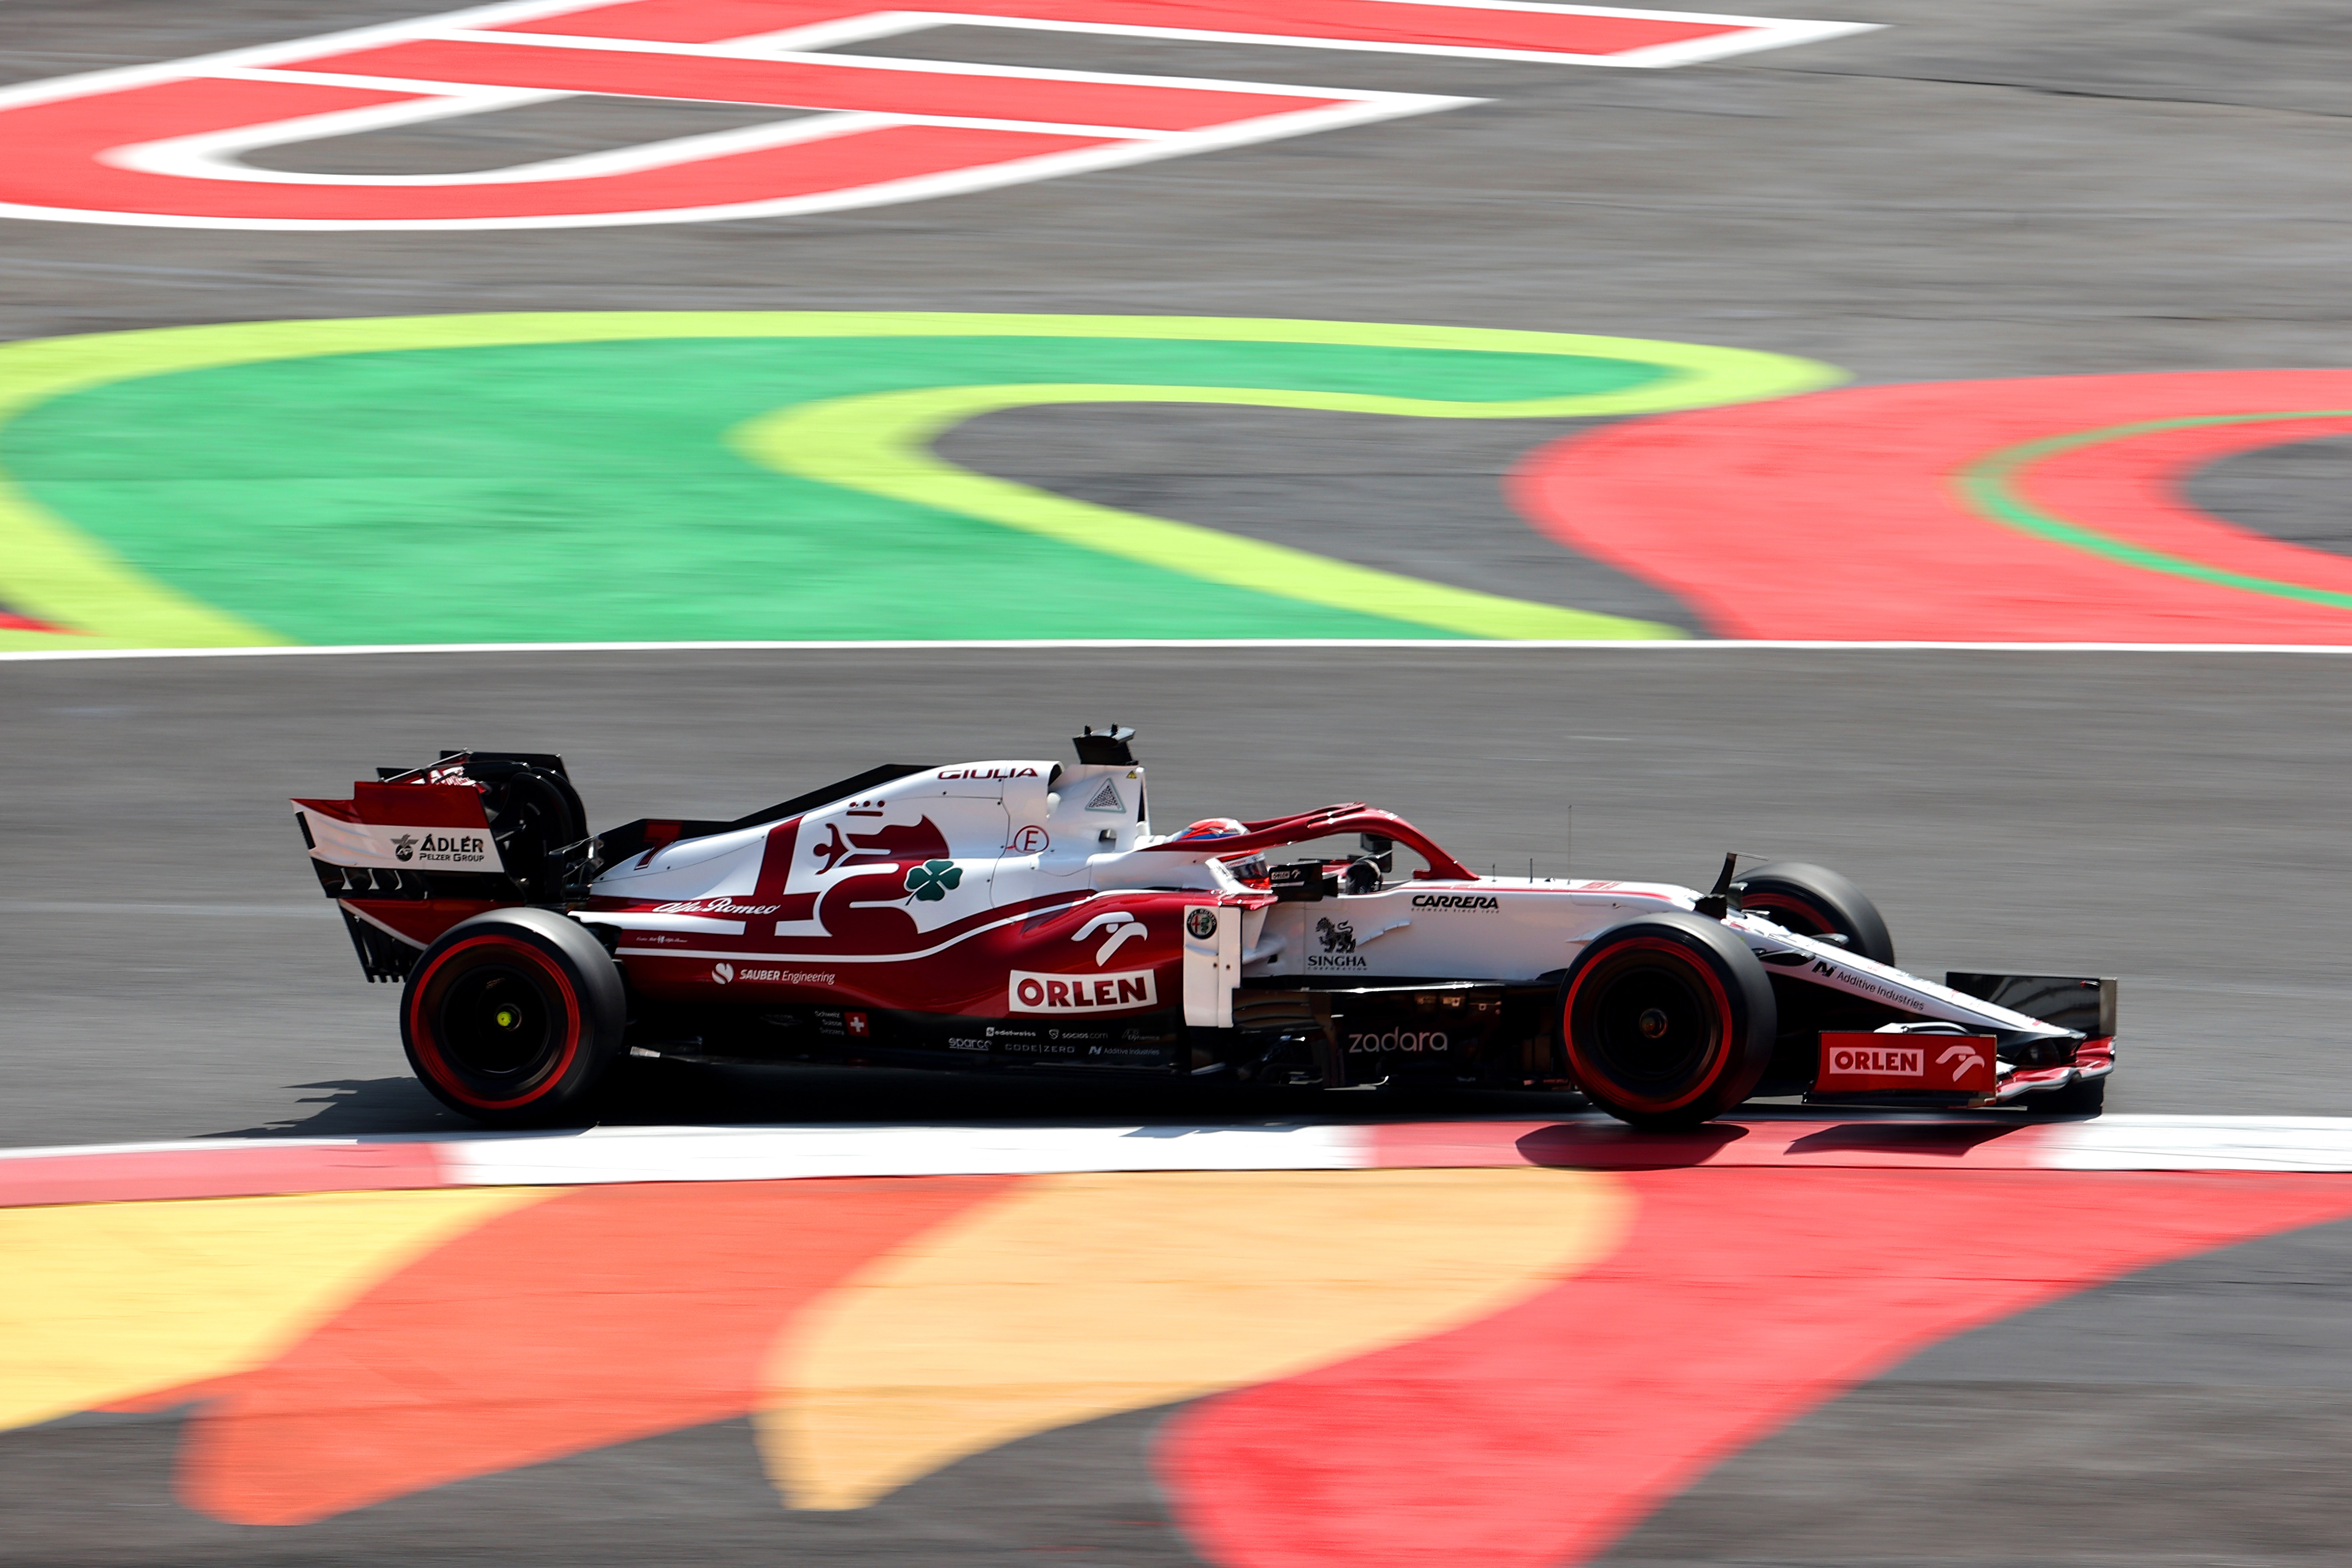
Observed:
{"x":1139,"y":148}
{"x":214,"y":154}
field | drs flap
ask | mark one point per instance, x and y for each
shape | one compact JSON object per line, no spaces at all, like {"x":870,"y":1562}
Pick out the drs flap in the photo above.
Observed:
{"x":402,"y":826}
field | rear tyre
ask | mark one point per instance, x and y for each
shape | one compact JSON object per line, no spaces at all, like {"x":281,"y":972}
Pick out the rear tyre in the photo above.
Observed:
{"x":512,"y":1017}
{"x":1668,"y":1019}
{"x":1814,"y":900}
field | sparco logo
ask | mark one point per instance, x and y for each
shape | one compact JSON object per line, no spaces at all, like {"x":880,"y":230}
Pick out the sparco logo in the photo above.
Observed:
{"x":1453,"y":901}
{"x":1397,"y":1040}
{"x":1081,"y":994}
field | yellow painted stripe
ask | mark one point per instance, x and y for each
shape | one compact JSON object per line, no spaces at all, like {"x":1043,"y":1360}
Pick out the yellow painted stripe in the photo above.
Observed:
{"x":102,"y":1302}
{"x":53,"y":570}
{"x":878,"y":443}
{"x":1082,"y":1296}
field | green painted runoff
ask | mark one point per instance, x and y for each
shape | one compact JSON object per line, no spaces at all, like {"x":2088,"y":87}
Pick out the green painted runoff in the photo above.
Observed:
{"x":587,"y":492}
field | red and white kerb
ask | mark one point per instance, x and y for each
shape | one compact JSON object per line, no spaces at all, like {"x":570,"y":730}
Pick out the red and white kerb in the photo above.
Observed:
{"x":163,"y":145}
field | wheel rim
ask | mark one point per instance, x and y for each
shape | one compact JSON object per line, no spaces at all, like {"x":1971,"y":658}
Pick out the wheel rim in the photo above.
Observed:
{"x":494,"y":1022}
{"x":1648,"y":1026}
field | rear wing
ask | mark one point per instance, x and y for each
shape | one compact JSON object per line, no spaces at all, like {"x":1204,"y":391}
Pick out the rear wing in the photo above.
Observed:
{"x":511,"y":814}
{"x":418,"y":849}
{"x":410,"y":826}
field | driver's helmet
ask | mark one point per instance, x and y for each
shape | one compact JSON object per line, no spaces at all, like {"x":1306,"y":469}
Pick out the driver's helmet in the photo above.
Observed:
{"x":1249,"y":868}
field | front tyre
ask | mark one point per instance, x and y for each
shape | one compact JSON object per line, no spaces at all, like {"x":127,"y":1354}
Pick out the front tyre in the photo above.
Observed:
{"x":512,"y":1017}
{"x":1668,"y":1019}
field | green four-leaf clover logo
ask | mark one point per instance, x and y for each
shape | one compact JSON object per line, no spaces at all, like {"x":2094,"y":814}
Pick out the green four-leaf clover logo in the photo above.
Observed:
{"x":931,"y":881}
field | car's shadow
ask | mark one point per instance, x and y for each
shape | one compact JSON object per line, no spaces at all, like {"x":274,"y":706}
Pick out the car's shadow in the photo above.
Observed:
{"x":1555,"y":1129}
{"x":358,"y":1108}
{"x":677,"y":1094}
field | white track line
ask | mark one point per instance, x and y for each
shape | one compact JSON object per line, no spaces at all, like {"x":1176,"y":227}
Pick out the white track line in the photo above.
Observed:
{"x":233,"y":1166}
{"x":1016,"y":644}
{"x":749,"y":1153}
{"x":2201,"y":1143}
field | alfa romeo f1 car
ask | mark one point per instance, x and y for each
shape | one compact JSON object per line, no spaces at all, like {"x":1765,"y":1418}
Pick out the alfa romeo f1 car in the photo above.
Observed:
{"x":1022,"y":916}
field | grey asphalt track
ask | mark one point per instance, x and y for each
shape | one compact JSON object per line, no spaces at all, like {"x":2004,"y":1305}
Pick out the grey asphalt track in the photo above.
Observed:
{"x":2293,"y":492}
{"x":1350,"y":485}
{"x":2172,"y":819}
{"x":2008,"y":187}
{"x":1994,"y":189}
{"x":1998,"y":189}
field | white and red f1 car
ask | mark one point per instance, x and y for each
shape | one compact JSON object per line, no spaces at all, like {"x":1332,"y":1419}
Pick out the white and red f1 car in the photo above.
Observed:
{"x":1021,"y":915}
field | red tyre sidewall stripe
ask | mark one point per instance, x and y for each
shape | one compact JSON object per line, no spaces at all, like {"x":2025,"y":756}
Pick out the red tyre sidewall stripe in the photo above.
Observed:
{"x":1723,"y":1014}
{"x":1769,"y":903}
{"x":428,"y":1049}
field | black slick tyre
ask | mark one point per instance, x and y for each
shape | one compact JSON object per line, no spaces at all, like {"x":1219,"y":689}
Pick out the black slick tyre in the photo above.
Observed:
{"x":1814,"y":900}
{"x":1668,"y":1020}
{"x":513,"y":1016}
